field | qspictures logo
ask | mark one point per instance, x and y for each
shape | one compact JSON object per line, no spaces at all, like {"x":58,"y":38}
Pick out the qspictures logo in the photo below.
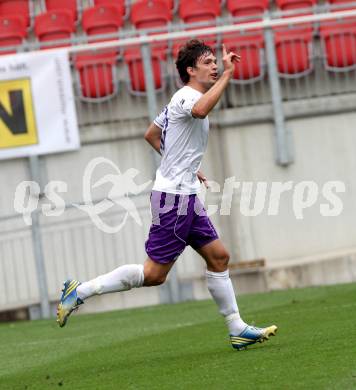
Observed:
{"x":17,"y":117}
{"x":27,"y":196}
{"x":253,"y":199}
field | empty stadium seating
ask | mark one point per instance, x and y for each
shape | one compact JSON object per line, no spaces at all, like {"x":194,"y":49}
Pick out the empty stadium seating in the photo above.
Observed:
{"x":147,"y":14}
{"x":249,"y":44}
{"x":97,"y":70}
{"x":193,"y":11}
{"x":293,"y":51}
{"x":20,"y":8}
{"x":250,"y":47}
{"x":294,"y":8}
{"x":117,"y":3}
{"x":102,"y":19}
{"x":12,"y":32}
{"x":294,"y":45}
{"x":70,"y":5}
{"x":97,"y":75}
{"x":338,"y":5}
{"x":133,"y":59}
{"x":172,"y":4}
{"x":252,"y":10}
{"x":339,"y":45}
{"x":339,"y":39}
{"x":54,"y":25}
{"x":342,"y":5}
{"x":292,"y":5}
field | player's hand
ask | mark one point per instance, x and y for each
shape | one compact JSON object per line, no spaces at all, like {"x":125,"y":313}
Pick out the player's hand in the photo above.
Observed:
{"x":202,"y":178}
{"x":229,"y":60}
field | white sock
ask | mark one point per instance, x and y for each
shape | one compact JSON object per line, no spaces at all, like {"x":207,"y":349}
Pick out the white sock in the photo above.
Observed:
{"x":222,"y":291}
{"x":123,"y":278}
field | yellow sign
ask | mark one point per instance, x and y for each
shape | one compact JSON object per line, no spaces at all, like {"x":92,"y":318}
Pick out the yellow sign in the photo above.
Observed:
{"x":17,"y":118}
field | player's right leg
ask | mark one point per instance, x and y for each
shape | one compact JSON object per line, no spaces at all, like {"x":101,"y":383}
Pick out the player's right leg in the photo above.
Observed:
{"x":69,"y":301}
{"x":75,"y":293}
{"x":165,"y":243}
{"x":123,"y":278}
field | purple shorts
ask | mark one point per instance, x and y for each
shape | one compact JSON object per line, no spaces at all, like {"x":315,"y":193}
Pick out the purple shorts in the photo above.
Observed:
{"x":177,"y":221}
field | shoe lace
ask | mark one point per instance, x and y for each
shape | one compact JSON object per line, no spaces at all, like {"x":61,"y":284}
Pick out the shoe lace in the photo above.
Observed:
{"x":255,"y":328}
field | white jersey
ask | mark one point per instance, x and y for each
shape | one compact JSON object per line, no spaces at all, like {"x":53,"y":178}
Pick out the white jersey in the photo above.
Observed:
{"x":183,"y":143}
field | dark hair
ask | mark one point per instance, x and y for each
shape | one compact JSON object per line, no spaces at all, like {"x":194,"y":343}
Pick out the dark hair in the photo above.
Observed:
{"x":188,"y":56}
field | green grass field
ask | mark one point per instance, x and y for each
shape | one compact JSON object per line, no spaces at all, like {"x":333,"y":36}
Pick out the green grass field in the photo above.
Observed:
{"x":185,"y":346}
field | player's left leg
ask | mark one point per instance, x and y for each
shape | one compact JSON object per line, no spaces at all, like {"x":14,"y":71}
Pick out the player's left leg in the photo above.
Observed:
{"x":204,"y":239}
{"x":219,"y":284}
{"x":222,"y":291}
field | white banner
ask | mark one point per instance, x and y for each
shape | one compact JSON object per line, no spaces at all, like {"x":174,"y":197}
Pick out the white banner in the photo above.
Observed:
{"x":37,"y":110}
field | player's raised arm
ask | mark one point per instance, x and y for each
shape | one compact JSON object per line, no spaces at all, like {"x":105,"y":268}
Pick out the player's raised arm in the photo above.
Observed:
{"x":207,"y":102}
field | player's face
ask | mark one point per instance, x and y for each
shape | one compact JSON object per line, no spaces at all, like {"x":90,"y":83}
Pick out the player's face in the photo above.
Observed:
{"x":206,"y":70}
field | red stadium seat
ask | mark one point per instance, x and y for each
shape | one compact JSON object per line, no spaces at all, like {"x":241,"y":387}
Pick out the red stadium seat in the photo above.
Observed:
{"x":293,"y":51}
{"x":293,"y":46}
{"x":54,"y":25}
{"x":252,"y":10}
{"x":248,"y":44}
{"x":20,"y":8}
{"x":97,"y":75}
{"x":193,"y":11}
{"x":338,"y":5}
{"x":146,"y":14}
{"x":171,"y":4}
{"x":339,"y":45}
{"x":248,"y":11}
{"x":342,"y":5}
{"x":70,"y":5}
{"x":250,"y":47}
{"x":291,"y":5}
{"x":117,"y":3}
{"x":306,"y":7}
{"x":97,"y":70}
{"x":338,"y":38}
{"x":133,"y":60}
{"x":102,"y":19}
{"x":12,"y":32}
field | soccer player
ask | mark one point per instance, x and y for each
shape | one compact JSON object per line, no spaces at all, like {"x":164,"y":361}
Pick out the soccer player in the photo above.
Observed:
{"x":180,"y":135}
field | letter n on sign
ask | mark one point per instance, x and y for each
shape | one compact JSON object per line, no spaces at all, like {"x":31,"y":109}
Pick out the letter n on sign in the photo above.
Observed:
{"x":17,"y":114}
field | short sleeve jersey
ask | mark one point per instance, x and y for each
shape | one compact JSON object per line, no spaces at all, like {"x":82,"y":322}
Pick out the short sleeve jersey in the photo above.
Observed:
{"x":183,"y":143}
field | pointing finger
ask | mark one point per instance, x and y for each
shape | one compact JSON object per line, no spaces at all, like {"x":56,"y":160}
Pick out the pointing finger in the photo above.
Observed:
{"x":235,"y":58}
{"x":224,"y":52}
{"x":234,"y":54}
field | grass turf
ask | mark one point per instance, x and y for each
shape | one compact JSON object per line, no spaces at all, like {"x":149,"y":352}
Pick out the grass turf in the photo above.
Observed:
{"x":185,"y":346}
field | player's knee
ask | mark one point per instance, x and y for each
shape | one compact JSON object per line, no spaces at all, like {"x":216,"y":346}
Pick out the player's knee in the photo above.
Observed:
{"x":159,"y":280}
{"x":221,"y":261}
{"x":162,"y":280}
{"x":227,"y":258}
{"x":154,"y":279}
